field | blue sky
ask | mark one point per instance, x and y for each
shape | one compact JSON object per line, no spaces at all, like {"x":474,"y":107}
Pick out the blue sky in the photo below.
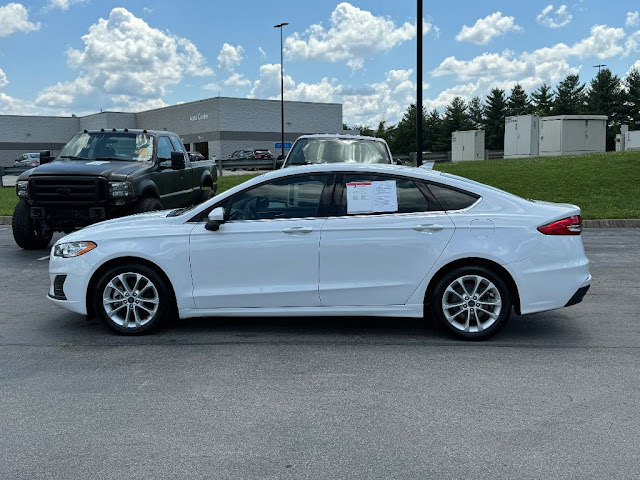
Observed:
{"x":63,"y":57}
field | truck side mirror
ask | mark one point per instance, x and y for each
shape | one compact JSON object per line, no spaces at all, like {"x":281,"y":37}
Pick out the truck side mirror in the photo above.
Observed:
{"x":177,"y":161}
{"x":215,"y":219}
{"x":45,"y":156}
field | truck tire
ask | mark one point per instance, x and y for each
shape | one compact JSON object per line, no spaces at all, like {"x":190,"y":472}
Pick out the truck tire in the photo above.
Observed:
{"x":147,"y":205}
{"x":27,"y":233}
{"x":205,"y":194}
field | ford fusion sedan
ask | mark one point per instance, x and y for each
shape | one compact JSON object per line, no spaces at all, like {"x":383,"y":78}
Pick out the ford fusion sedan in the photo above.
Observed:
{"x":330,"y":240}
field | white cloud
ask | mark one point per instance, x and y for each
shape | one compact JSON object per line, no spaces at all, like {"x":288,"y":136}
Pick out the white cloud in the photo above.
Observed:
{"x":632,"y":44}
{"x":263,"y":54}
{"x":212,"y":86}
{"x":3,"y":79}
{"x":268,"y":86}
{"x":548,"y":64}
{"x":386,"y":100}
{"x":485,"y":29}
{"x":230,"y":57}
{"x":237,"y":80}
{"x":633,"y":19}
{"x":558,"y":19}
{"x":15,"y":18}
{"x":125,"y":64}
{"x":63,"y":4}
{"x":354,"y":35}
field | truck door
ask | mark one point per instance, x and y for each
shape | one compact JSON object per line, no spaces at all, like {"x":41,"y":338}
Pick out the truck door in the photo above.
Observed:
{"x":174,"y":185}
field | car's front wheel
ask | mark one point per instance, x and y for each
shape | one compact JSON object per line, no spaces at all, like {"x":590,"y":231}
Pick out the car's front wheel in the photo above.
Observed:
{"x":132,"y":299}
{"x":471,"y":303}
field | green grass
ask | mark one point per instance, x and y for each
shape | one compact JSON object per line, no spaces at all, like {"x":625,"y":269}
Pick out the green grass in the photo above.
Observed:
{"x":604,"y":185}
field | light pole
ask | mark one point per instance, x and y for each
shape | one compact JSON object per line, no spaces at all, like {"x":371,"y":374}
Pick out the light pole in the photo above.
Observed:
{"x":280,"y":25}
{"x":419,"y":82}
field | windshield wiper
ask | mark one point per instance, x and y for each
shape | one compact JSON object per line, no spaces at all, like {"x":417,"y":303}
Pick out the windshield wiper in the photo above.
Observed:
{"x":72,"y":157}
{"x":179,"y":211}
{"x":107,"y":159}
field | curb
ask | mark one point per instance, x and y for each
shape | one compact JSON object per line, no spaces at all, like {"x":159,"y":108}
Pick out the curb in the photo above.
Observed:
{"x":604,"y":223}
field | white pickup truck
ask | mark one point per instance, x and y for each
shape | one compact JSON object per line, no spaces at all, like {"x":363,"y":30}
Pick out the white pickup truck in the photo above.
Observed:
{"x":336,"y":148}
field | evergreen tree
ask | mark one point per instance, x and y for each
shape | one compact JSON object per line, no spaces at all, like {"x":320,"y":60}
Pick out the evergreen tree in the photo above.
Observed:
{"x":435,"y":140}
{"x":404,"y":139}
{"x":632,"y":99}
{"x":456,"y":116}
{"x":542,"y":100}
{"x":476,"y":113}
{"x":518,"y":102}
{"x":495,"y":111}
{"x":569,"y":97}
{"x":606,"y":97}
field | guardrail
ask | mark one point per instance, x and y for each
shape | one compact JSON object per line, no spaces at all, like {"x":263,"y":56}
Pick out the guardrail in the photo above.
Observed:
{"x":245,"y":164}
{"x":439,"y":157}
{"x":11,"y":171}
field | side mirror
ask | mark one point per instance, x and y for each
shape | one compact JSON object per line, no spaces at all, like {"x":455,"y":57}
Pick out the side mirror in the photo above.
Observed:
{"x":177,"y":161}
{"x":45,"y":156}
{"x":215,"y":219}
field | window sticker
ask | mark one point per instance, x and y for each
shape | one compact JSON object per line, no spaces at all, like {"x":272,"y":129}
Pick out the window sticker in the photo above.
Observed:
{"x":372,"y":197}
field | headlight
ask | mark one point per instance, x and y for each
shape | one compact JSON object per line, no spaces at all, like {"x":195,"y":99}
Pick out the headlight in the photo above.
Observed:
{"x":72,"y":249}
{"x":22,"y":188}
{"x":120,"y":189}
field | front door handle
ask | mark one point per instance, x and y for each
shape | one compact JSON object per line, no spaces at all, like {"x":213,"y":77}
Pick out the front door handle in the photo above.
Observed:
{"x":428,"y":227}
{"x":297,"y":230}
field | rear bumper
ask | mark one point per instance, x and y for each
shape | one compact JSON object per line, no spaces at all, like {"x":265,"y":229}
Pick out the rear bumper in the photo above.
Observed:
{"x":578,"y":296}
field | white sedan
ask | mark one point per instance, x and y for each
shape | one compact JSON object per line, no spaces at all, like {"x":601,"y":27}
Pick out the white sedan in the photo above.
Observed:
{"x":331,"y":239}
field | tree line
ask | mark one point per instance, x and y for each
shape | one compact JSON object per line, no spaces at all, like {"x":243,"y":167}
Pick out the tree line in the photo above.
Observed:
{"x":607,"y":94}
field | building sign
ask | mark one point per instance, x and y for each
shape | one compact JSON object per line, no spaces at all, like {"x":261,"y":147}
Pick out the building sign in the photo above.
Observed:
{"x":199,"y":116}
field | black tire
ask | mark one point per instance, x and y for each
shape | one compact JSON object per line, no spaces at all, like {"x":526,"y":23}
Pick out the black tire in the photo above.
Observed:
{"x":147,"y":205}
{"x":205,"y":195}
{"x":469,"y":316}
{"x":132,"y":299}
{"x":28,"y":233}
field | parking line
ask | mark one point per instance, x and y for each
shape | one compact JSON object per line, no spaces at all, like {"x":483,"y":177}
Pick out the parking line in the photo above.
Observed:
{"x":44,"y":258}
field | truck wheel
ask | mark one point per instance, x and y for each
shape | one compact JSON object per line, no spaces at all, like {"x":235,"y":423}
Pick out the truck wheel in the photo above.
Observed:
{"x":147,"y":205}
{"x":27,"y":233}
{"x":205,"y":195}
{"x":132,"y":299}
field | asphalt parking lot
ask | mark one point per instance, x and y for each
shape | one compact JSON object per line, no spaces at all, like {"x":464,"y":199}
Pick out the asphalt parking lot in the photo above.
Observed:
{"x":555,"y":395}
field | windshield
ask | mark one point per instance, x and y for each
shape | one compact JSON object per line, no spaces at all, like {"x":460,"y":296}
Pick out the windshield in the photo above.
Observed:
{"x":337,"y":150}
{"x":124,"y":146}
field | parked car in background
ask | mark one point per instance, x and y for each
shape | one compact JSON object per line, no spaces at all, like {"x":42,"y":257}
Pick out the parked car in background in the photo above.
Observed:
{"x":323,"y":240}
{"x":262,"y":153}
{"x":103,"y":174}
{"x":27,"y":160}
{"x":326,"y":148}
{"x":239,"y":154}
{"x":196,"y":156}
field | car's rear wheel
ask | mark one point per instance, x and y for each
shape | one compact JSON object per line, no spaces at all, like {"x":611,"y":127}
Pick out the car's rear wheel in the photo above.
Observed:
{"x":471,"y":303}
{"x":132,"y":299}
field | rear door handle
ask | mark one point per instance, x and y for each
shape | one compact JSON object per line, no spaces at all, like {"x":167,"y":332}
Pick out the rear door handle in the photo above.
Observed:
{"x":297,"y":230}
{"x":428,"y":227}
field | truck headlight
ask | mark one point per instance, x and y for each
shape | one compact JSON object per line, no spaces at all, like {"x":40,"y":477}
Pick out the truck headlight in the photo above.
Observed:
{"x":22,"y":188}
{"x":72,"y":249}
{"x":120,"y":189}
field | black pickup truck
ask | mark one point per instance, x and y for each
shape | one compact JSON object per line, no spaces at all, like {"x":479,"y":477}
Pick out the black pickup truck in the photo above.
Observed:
{"x":105,"y":174}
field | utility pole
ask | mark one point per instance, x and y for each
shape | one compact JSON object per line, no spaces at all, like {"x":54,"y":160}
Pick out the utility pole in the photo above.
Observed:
{"x":280,"y":25}
{"x":419,"y":81}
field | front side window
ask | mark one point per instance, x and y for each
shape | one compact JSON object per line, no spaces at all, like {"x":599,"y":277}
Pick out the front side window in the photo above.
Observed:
{"x":408,"y":196}
{"x":296,"y":197}
{"x":164,"y":148}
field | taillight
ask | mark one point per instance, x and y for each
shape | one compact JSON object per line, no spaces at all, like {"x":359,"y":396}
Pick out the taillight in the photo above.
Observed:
{"x":256,"y":156}
{"x":566,"y":226}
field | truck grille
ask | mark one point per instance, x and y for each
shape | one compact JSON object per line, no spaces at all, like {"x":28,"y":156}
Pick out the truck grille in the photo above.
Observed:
{"x":68,"y":190}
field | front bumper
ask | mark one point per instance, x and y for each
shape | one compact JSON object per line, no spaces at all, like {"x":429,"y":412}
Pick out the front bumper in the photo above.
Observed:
{"x":70,"y":293}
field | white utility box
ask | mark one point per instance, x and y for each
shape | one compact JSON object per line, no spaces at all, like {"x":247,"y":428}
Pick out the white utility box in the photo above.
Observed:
{"x":467,"y":145}
{"x":521,"y":136}
{"x":572,"y":134}
{"x":632,"y":140}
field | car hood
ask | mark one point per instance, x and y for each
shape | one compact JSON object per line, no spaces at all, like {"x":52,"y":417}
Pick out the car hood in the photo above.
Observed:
{"x":99,"y":168}
{"x":142,"y":224}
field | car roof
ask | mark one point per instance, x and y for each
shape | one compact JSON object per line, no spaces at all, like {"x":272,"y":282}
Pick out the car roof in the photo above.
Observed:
{"x":342,"y":136}
{"x":130,"y":130}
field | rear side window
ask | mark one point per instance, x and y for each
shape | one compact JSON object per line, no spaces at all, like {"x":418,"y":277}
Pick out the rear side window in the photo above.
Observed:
{"x":452,"y":199}
{"x":409,"y":196}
